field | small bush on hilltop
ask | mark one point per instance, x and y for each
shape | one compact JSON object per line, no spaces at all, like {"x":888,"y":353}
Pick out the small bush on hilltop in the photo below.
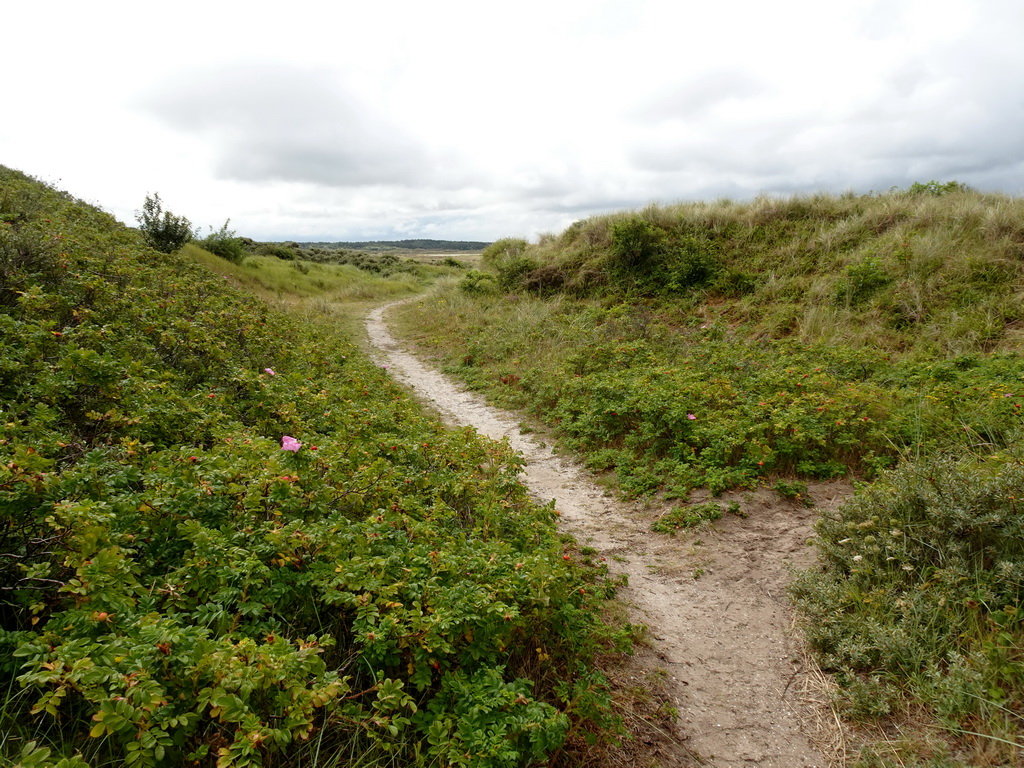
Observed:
{"x":226,"y":536}
{"x":937,"y":188}
{"x":224,"y":243}
{"x":162,"y":229}
{"x":636,"y":246}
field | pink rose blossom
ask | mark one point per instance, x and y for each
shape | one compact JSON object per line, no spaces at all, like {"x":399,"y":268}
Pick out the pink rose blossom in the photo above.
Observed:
{"x":289,"y":443}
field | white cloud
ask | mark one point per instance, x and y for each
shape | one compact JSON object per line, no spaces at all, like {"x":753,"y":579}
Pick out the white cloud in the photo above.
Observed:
{"x":467,"y":120}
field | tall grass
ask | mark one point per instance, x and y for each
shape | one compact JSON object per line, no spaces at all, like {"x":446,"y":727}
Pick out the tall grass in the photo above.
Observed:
{"x":272,"y":277}
{"x":906,"y":264}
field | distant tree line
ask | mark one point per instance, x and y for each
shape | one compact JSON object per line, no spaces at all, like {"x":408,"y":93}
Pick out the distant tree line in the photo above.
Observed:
{"x":405,"y":245}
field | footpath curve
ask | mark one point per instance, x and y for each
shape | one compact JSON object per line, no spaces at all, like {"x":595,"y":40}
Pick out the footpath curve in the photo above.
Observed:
{"x":714,"y":601}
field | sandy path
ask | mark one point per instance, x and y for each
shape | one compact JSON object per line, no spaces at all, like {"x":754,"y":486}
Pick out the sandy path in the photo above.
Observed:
{"x":714,"y":601}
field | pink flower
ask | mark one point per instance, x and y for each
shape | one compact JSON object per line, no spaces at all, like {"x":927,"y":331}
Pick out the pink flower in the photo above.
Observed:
{"x":691,"y":417}
{"x":289,"y":443}
{"x":269,"y":371}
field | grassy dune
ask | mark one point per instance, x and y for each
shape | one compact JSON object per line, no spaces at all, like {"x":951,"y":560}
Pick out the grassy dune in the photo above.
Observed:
{"x":722,"y":345}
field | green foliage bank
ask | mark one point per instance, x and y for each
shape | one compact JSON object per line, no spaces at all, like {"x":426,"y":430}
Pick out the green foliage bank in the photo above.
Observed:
{"x":730,"y":345}
{"x":226,"y":538}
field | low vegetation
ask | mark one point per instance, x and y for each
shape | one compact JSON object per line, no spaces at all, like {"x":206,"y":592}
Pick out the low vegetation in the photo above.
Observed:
{"x":918,"y":609}
{"x":725,"y":344}
{"x":227,"y":538}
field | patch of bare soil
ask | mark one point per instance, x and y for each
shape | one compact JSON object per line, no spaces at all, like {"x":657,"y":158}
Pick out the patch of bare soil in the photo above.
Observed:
{"x":714,"y":599}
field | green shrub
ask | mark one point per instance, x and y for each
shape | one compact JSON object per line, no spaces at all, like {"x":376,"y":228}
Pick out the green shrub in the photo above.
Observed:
{"x":28,"y":254}
{"x":692,"y":264}
{"x":795,"y":490}
{"x":506,"y":249}
{"x":734,"y":283}
{"x":162,"y":229}
{"x":513,"y":272}
{"x":861,"y":280}
{"x":637,"y":246}
{"x":225,"y":243}
{"x":277,"y":250}
{"x":475,"y":282}
{"x":687,"y":517}
{"x":922,"y":591}
{"x":937,"y":188}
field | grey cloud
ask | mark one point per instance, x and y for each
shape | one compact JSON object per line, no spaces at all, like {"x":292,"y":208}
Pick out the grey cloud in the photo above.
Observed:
{"x":976,"y":143}
{"x":287,"y":123}
{"x":753,"y":150}
{"x":973,"y":136}
{"x":545,"y":184}
{"x":943,"y":112}
{"x":598,"y":204}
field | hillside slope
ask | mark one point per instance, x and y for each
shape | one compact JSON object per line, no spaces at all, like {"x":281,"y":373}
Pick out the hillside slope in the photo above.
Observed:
{"x":727,"y":346}
{"x":226,"y":536}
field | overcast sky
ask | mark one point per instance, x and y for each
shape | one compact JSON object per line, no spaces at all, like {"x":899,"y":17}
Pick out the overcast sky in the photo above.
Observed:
{"x":477,"y":120}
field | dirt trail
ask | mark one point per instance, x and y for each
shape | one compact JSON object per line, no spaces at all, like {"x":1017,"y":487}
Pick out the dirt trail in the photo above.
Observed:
{"x":714,"y":600}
